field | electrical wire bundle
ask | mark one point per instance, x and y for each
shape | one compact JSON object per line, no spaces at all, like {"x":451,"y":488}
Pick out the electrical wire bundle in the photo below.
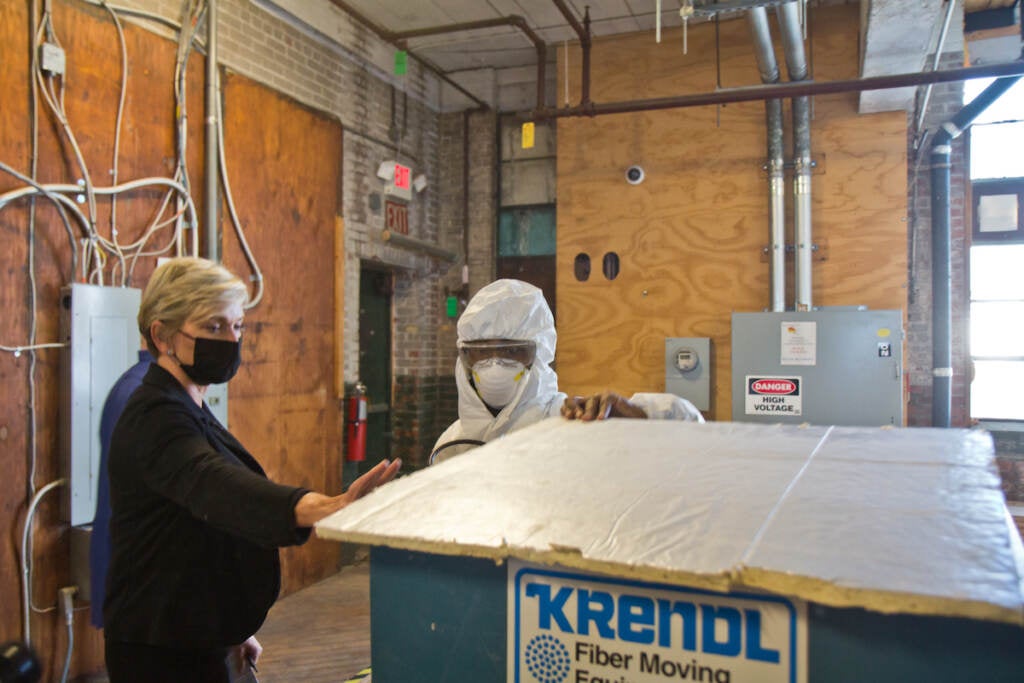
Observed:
{"x":100,"y":255}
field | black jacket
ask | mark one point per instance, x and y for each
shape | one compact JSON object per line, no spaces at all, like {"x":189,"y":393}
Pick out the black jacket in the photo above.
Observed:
{"x":195,"y":525}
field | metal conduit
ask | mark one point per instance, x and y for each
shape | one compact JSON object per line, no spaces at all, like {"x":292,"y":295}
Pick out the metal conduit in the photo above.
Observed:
{"x":212,"y":168}
{"x":796,"y":65}
{"x":950,"y":7}
{"x":769,"y":68}
{"x":764,"y":92}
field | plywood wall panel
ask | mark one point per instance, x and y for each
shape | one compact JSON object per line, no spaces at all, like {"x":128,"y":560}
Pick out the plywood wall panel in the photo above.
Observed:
{"x":285,"y":162}
{"x":146,"y":149}
{"x":860,"y":210}
{"x":285,"y":172}
{"x":690,"y":238}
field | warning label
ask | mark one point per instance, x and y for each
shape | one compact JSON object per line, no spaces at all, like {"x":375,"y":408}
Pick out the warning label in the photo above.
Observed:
{"x":772,"y":395}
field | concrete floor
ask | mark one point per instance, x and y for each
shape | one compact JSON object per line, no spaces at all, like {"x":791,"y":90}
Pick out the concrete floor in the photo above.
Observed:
{"x":320,"y":634}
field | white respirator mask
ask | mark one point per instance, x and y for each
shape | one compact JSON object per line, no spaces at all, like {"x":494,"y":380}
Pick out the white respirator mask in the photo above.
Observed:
{"x":497,"y":379}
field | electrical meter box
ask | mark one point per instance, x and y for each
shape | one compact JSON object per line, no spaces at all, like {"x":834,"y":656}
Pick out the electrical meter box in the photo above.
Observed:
{"x":826,"y":367}
{"x":688,"y":369}
{"x":99,"y":326}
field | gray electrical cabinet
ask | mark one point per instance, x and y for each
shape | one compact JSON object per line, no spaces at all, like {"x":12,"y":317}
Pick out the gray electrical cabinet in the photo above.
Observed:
{"x":825,"y":367}
{"x":99,"y":325}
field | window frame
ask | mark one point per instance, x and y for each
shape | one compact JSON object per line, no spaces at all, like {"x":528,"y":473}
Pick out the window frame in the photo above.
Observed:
{"x":996,"y":186}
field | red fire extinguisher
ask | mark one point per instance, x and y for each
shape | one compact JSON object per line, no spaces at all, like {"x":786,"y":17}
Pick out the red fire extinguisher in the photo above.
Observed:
{"x":355,"y":444}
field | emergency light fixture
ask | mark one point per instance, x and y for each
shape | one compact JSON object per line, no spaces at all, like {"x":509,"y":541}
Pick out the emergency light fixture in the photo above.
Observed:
{"x":386,"y":170}
{"x":397,"y":178}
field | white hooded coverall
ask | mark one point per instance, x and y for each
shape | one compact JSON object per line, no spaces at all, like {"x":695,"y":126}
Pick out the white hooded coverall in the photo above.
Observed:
{"x":511,"y":309}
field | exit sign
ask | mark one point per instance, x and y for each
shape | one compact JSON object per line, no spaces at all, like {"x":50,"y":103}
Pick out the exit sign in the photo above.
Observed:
{"x":396,"y":217}
{"x":403,"y":177}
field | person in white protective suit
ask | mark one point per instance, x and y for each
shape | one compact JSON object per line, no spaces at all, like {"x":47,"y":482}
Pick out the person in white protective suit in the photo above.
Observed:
{"x":506,"y":342}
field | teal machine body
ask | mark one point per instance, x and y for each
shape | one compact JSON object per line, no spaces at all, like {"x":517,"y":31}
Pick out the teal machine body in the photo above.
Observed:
{"x":439,"y":618}
{"x":722,"y":552}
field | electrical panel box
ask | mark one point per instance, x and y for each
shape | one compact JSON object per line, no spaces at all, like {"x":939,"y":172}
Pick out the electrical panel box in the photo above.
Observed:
{"x":824,"y":367}
{"x":688,"y":369}
{"x":99,"y":326}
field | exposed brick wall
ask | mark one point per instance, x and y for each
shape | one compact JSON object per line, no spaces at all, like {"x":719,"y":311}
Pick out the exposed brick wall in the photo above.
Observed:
{"x":426,"y":400}
{"x":420,"y":402}
{"x":383,"y":116}
{"x":946,"y":100}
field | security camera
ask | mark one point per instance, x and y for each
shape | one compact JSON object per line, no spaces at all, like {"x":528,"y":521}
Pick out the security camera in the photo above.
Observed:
{"x":634,"y":175}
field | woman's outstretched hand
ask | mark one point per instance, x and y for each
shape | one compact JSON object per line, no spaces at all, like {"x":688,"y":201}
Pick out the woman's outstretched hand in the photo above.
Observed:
{"x":313,"y":506}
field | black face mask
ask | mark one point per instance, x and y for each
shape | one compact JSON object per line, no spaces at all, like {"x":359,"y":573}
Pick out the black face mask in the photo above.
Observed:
{"x":214,"y":361}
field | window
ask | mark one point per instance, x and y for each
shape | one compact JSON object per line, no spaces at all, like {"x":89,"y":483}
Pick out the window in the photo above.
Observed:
{"x":997,"y":331}
{"x":997,"y":255}
{"x":526,"y":231}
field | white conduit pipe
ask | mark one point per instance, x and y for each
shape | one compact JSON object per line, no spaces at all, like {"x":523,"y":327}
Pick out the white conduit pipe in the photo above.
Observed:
{"x":26,"y":560}
{"x":796,"y":64}
{"x":768,"y":66}
{"x":115,"y":189}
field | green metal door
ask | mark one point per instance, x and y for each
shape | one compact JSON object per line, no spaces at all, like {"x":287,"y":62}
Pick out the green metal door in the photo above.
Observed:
{"x":375,"y":287}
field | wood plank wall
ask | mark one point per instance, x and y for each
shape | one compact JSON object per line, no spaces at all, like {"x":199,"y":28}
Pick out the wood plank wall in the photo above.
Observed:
{"x":146,"y":149}
{"x":690,"y":238}
{"x":286,"y":164}
{"x":285,"y":173}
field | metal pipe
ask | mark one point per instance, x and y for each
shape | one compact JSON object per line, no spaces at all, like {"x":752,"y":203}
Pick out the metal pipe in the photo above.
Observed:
{"x":383,"y":34}
{"x":796,"y":66}
{"x":212,"y":167}
{"x":803,"y":234}
{"x":583,"y":31}
{"x":769,"y":68}
{"x":792,"y":40}
{"x":783,"y":90}
{"x":757,"y":18}
{"x":950,"y":6}
{"x":465,"y":187}
{"x":777,"y":193}
{"x":716,"y":8}
{"x":585,"y":80}
{"x":400,"y":240}
{"x":942,"y":312}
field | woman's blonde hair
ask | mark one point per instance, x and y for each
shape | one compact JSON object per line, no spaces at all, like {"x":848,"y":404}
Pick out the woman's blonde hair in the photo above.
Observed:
{"x":184,"y":289}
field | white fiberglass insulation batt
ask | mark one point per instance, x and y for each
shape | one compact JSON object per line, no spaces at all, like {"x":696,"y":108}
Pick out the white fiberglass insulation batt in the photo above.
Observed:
{"x":892,"y":520}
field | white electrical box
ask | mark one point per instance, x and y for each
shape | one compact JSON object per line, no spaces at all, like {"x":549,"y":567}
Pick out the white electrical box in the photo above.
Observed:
{"x":52,"y":59}
{"x":99,"y":326}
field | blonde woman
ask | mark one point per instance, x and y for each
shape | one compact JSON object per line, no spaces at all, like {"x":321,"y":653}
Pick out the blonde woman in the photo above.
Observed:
{"x":195,"y":522}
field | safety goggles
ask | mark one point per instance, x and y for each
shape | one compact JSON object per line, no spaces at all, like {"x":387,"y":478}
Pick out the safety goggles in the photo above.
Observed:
{"x":512,"y":350}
